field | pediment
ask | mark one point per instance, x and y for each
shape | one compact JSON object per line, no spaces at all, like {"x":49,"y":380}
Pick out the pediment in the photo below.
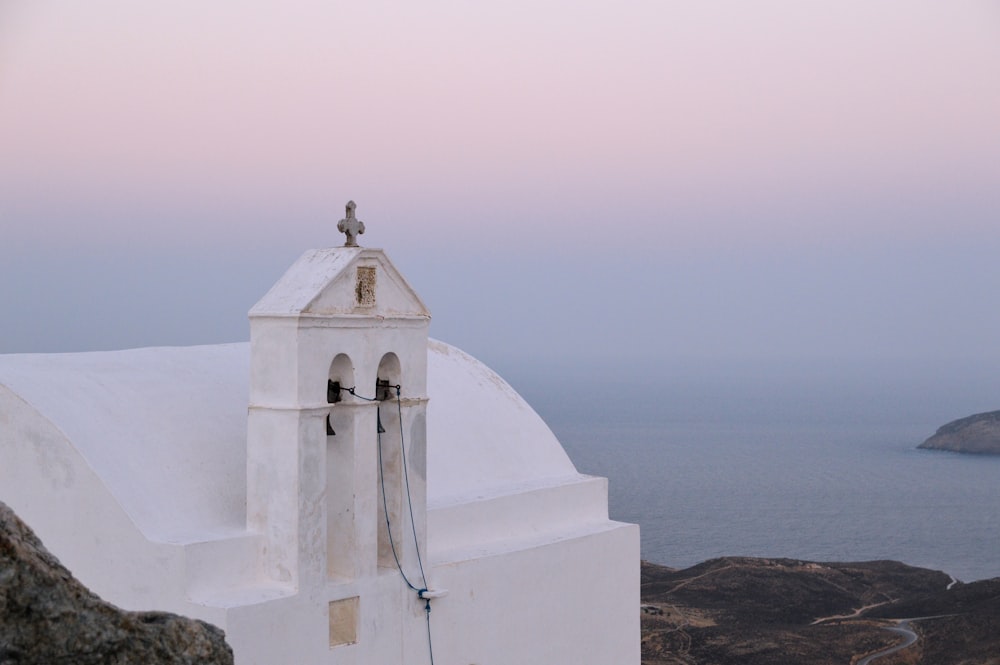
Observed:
{"x":342,"y":281}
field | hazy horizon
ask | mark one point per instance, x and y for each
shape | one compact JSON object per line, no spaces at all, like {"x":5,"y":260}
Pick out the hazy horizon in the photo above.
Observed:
{"x":664,"y":188}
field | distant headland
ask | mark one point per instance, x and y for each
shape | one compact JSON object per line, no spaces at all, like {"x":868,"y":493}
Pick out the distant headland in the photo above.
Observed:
{"x":978,"y":434}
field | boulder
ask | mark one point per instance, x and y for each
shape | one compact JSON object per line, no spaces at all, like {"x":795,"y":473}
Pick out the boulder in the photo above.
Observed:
{"x":974,"y":434}
{"x":47,"y":616}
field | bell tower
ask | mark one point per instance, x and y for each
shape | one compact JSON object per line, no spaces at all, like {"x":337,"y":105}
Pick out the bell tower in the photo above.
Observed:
{"x":336,"y":437}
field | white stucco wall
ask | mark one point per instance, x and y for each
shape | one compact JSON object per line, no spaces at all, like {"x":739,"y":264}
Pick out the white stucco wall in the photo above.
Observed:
{"x":568,"y":601}
{"x":49,"y":484}
{"x":163,"y":428}
{"x":131,"y":465}
{"x":564,"y":598}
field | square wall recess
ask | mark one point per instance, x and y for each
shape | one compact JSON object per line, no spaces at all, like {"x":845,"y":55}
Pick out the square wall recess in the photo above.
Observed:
{"x":343,"y":622}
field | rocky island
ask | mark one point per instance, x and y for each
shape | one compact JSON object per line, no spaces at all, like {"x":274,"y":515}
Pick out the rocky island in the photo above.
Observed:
{"x":979,"y":434}
{"x":739,"y":610}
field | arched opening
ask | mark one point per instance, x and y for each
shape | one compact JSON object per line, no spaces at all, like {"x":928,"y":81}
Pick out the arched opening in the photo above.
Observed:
{"x":341,"y":378}
{"x":388,"y":382}
{"x":340,"y":528}
{"x":388,"y":386}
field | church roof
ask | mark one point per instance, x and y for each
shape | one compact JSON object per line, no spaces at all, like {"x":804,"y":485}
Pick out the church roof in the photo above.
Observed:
{"x":305,"y":288}
{"x":165,"y":430}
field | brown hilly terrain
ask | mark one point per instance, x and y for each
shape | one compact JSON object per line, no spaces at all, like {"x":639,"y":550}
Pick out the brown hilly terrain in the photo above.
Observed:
{"x":781,"y":612}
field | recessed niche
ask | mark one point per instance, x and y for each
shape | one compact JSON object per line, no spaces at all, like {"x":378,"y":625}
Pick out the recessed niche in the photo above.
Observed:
{"x":344,"y":622}
{"x":364,"y":290}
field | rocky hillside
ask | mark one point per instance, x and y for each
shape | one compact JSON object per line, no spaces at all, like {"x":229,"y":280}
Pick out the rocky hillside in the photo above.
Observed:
{"x":47,"y":616}
{"x":782,"y":611}
{"x":974,"y":434}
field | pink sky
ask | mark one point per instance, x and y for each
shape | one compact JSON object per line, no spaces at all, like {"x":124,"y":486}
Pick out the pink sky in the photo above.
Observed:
{"x":764,"y":178}
{"x":689,"y":119}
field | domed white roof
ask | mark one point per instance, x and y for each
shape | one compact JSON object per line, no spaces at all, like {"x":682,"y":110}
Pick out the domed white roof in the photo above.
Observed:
{"x":165,"y":430}
{"x":483,"y":439}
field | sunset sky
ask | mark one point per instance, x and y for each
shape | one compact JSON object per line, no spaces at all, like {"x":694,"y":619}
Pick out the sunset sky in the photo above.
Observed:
{"x":652,"y":181}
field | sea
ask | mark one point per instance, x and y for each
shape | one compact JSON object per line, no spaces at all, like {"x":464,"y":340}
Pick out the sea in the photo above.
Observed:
{"x":737,"y":465}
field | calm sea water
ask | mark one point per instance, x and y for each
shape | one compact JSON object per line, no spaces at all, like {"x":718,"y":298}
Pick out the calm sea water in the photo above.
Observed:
{"x":820,"y":493}
{"x":830,"y":484}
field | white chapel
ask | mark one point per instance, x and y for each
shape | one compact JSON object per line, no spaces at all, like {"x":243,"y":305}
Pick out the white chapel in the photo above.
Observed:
{"x":342,"y":490}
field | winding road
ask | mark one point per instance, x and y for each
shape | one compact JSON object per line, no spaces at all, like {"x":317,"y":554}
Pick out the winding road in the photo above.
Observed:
{"x":902,"y":628}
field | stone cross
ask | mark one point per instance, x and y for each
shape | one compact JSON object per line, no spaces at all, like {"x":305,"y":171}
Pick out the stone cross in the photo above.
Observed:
{"x":351,"y":226}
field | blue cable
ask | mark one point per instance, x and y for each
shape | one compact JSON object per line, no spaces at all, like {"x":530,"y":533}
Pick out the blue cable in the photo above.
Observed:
{"x":409,"y":502}
{"x":406,"y":479}
{"x":385,"y":506}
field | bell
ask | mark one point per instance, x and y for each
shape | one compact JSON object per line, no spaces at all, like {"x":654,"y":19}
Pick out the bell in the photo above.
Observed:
{"x":378,"y":415}
{"x":329,"y":427}
{"x":332,"y":391}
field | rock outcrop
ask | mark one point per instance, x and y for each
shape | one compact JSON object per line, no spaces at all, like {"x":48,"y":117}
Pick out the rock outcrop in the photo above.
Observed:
{"x":975,"y":434}
{"x":47,"y":616}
